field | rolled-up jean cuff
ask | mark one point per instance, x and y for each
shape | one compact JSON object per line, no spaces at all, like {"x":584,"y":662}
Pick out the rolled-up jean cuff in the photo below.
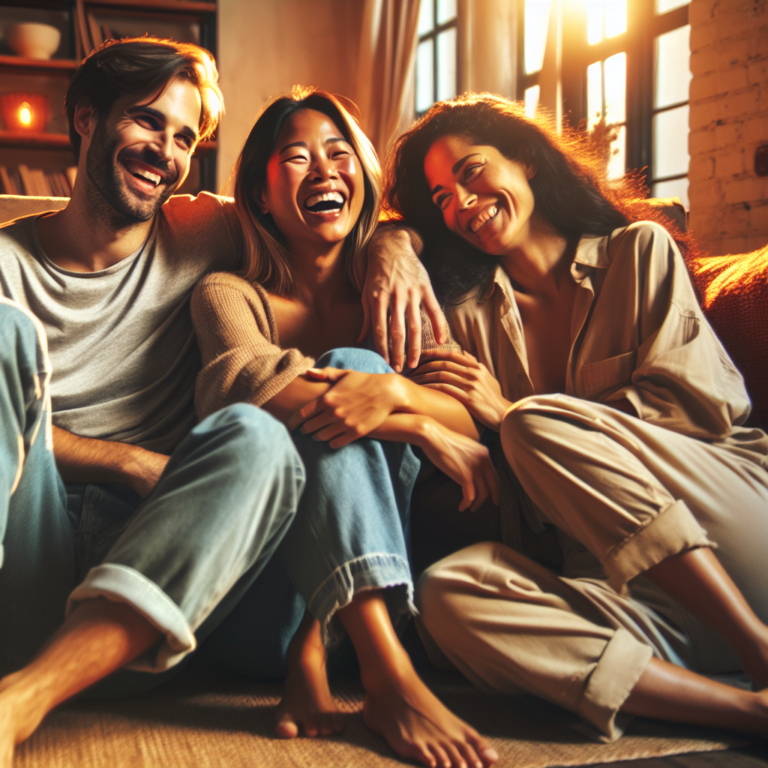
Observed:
{"x":672,"y":531}
{"x":123,"y":584}
{"x":620,"y":666}
{"x":372,"y":571}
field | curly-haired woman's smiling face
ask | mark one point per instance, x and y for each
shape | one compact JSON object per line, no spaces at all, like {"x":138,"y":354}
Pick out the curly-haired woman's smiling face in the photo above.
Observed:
{"x":315,"y":185}
{"x":484,"y":196}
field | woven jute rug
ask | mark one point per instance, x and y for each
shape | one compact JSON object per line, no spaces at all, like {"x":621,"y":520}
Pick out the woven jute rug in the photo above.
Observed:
{"x":205,"y":719}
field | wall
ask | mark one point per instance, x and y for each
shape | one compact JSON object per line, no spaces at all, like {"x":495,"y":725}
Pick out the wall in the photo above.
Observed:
{"x":265,"y":47}
{"x":728,"y":121}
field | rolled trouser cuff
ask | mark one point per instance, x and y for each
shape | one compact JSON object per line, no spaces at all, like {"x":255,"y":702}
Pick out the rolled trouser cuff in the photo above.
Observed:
{"x":123,"y":584}
{"x":672,"y":531}
{"x":371,"y":571}
{"x":619,"y":668}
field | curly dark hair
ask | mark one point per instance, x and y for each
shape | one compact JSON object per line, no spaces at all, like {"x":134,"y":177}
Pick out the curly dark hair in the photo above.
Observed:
{"x":569,"y":188}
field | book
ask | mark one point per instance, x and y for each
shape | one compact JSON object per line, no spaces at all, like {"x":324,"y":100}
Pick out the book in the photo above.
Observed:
{"x":7,"y":184}
{"x":27,"y":183}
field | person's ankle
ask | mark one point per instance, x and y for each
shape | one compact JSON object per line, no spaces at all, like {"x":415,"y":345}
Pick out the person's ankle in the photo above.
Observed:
{"x":393,"y":672}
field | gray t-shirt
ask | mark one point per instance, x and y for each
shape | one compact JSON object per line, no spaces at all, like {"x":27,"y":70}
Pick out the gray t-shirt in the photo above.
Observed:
{"x":121,"y":341}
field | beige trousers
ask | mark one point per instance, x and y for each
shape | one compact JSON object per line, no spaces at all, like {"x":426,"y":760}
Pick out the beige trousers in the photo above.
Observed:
{"x":626,"y":495}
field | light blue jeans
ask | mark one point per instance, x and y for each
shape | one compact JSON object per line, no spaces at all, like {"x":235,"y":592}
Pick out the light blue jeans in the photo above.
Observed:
{"x":350,"y":534}
{"x":182,"y":557}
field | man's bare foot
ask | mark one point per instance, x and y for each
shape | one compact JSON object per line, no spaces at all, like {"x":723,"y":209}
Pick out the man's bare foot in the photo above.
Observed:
{"x":21,"y":711}
{"x":417,"y":725}
{"x":307,"y":702}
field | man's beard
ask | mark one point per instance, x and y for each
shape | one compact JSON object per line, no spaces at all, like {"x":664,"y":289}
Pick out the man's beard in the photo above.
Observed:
{"x":104,"y":174}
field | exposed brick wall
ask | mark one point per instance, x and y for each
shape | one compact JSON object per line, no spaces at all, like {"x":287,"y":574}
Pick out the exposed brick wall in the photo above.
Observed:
{"x":728,"y":121}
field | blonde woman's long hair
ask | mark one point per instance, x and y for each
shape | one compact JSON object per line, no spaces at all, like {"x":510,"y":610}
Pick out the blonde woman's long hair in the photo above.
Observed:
{"x":268,"y":260}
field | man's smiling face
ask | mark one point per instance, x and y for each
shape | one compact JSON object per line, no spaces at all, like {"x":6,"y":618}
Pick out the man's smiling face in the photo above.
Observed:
{"x":139,"y":154}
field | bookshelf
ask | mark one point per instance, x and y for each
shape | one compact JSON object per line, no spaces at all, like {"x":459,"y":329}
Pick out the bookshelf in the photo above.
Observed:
{"x":84,"y":24}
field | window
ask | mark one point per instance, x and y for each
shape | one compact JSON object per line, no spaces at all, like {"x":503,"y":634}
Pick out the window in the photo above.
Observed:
{"x":626,"y":63}
{"x":436,"y":55}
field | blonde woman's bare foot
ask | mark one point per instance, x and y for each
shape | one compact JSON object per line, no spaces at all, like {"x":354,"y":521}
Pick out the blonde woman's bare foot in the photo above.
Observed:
{"x":307,"y":702}
{"x":418,"y":726}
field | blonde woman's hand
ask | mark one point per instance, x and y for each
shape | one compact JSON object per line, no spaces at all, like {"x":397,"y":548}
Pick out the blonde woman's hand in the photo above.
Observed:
{"x":461,"y":375}
{"x":465,"y":461}
{"x":356,"y":405}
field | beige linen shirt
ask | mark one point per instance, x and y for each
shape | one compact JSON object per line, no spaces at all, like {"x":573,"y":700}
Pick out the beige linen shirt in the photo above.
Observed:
{"x":637,"y":334}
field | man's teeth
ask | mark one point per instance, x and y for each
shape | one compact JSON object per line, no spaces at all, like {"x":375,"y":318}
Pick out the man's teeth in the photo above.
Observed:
{"x":483,"y":217}
{"x":324,"y":201}
{"x":146,"y":175}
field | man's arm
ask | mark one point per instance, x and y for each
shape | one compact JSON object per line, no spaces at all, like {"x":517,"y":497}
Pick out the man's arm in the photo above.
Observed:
{"x":397,"y":285}
{"x":86,"y":460}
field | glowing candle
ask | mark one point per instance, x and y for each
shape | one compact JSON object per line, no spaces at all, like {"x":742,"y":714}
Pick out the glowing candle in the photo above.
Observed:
{"x":25,"y":114}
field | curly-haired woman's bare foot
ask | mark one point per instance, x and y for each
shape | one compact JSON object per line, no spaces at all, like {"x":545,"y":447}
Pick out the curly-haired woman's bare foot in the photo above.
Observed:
{"x":755,"y":660}
{"x":307,"y":702}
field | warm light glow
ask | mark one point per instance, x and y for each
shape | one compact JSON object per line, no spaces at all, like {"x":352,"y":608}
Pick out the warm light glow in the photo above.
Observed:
{"x":25,"y":114}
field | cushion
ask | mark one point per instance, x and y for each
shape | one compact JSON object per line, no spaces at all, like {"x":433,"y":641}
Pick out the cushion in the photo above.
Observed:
{"x":733,"y":290}
{"x":14,"y":206}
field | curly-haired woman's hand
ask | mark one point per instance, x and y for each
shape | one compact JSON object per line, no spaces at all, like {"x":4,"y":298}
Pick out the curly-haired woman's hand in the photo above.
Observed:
{"x":464,"y":460}
{"x":461,"y":375}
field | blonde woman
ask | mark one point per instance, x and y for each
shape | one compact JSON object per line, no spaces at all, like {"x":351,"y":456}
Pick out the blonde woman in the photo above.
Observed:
{"x":307,"y":191}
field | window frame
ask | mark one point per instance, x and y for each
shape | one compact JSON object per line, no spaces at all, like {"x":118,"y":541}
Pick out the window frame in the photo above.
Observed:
{"x":644,"y":26}
{"x":432,"y":34}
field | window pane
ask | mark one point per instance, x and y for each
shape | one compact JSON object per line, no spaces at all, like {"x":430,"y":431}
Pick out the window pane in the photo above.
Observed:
{"x":605,"y":18}
{"x":662,"y":6}
{"x":594,"y":21}
{"x":615,"y":17}
{"x":446,"y":10}
{"x":536,"y":24}
{"x":424,"y":77}
{"x":426,"y":19}
{"x":616,"y":88}
{"x":673,"y":73}
{"x":446,"y":64}
{"x":672,"y":188}
{"x":594,"y":93}
{"x":532,"y":100}
{"x":670,"y":142}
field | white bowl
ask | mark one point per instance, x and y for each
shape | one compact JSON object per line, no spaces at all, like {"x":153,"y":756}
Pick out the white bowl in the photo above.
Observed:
{"x":33,"y":41}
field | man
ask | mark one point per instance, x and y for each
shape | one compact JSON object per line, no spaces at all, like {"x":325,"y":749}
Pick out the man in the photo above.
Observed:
{"x":159,"y":529}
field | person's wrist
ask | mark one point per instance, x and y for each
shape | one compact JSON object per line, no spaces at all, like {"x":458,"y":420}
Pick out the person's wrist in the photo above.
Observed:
{"x":425,"y":430}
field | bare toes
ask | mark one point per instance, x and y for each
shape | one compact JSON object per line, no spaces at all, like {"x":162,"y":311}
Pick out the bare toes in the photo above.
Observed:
{"x":286,"y":727}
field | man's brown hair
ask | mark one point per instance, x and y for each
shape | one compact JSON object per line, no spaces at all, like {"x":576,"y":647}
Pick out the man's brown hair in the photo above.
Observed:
{"x":143,"y":66}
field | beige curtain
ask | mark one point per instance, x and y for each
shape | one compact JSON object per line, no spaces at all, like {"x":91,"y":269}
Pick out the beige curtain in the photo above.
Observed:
{"x":551,"y":77}
{"x":488,"y":46}
{"x":386,"y":63}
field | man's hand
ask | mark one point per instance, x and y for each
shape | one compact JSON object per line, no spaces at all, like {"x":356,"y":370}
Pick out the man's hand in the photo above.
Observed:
{"x":356,"y":405}
{"x":396,"y":287}
{"x":142,"y":471}
{"x":86,"y":460}
{"x":460,"y":374}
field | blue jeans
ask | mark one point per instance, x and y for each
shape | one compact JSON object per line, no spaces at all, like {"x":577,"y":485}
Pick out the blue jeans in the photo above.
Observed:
{"x":182,"y":557}
{"x":350,"y":534}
